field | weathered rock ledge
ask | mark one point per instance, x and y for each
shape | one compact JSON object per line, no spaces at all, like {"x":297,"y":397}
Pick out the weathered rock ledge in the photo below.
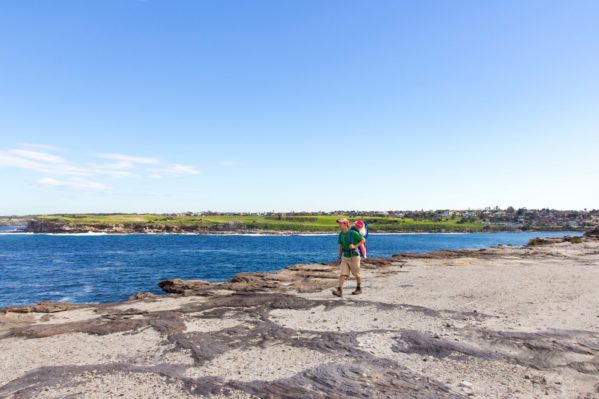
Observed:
{"x":519,"y":322}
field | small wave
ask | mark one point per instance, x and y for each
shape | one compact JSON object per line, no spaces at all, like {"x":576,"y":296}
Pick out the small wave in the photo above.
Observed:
{"x":65,"y":299}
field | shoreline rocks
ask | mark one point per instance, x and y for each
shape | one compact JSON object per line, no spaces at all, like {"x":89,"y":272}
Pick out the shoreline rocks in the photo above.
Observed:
{"x":48,"y":227}
{"x":501,"y":322}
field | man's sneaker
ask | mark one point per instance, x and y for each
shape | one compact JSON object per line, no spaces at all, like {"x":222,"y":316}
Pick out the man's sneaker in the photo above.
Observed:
{"x":338,"y":292}
{"x":358,"y":291}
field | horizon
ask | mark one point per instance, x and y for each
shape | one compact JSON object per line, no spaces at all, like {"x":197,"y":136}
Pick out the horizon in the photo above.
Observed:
{"x":149,"y":107}
{"x":339,"y":212}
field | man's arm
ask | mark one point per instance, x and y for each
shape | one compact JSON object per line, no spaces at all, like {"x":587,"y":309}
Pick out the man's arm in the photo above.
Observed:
{"x":340,"y":251}
{"x":362,"y":241}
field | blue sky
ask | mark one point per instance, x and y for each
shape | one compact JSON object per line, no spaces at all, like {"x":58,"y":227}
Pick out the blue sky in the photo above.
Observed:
{"x":165,"y":106}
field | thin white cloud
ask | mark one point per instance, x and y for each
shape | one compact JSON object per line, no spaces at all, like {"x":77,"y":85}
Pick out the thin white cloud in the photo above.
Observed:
{"x":129,"y":158}
{"x":178,"y":169}
{"x":111,"y":172}
{"x":31,"y":157}
{"x":39,"y":162}
{"x":73,"y":184}
{"x":124,"y":161}
{"x":37,"y":156}
{"x":44,"y":147}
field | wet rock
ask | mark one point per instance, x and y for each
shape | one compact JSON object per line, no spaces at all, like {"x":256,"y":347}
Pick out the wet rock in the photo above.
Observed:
{"x":181,"y":286}
{"x":143,"y":296}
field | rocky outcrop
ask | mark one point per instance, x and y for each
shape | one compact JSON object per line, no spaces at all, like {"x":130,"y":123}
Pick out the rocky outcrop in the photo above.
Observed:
{"x":423,"y":330}
{"x":53,"y":227}
{"x":593,"y":234}
{"x":301,"y":278}
{"x":548,"y":241}
{"x":142,"y":296}
{"x":184,"y":287}
{"x":49,"y":227}
{"x":43,"y":226}
{"x":42,"y":307}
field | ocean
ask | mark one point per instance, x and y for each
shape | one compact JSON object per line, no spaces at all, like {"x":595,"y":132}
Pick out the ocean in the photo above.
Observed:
{"x":91,"y":268}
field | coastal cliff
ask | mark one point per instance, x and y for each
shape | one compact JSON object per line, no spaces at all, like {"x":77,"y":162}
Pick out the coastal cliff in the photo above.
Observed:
{"x":44,"y":226}
{"x":52,"y":227}
{"x":48,"y":227}
{"x":506,"y":321}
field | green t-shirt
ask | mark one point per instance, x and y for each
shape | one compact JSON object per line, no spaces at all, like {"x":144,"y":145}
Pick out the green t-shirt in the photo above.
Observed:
{"x":344,"y":241}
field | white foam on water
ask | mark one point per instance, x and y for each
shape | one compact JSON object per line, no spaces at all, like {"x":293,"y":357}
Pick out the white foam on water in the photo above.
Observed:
{"x":413,"y":234}
{"x":89,"y":233}
{"x":314,"y":234}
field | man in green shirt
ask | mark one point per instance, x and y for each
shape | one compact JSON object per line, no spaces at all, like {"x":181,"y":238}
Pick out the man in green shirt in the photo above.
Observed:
{"x":349,"y":257}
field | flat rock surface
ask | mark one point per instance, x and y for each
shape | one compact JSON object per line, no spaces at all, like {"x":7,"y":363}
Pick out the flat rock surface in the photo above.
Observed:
{"x":505,"y":322}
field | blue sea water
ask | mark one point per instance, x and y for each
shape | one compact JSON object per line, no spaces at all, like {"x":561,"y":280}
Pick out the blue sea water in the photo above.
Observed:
{"x":107,"y":268}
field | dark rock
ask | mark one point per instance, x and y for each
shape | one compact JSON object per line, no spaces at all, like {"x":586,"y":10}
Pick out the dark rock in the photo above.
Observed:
{"x":592,"y":233}
{"x":180,"y":286}
{"x":143,"y":296}
{"x":533,"y":242}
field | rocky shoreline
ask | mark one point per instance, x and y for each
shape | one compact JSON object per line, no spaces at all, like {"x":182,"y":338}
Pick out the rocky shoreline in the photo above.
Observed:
{"x":500,"y":322}
{"x":48,"y":227}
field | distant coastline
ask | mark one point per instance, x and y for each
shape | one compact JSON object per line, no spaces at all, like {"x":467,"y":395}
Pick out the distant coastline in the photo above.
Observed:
{"x":416,"y":222}
{"x":66,"y":228}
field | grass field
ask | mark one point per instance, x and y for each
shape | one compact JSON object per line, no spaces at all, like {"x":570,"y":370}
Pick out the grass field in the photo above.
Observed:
{"x":324,"y":223}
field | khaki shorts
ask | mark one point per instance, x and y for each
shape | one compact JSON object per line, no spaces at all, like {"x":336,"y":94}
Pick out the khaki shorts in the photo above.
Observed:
{"x":350,"y":264}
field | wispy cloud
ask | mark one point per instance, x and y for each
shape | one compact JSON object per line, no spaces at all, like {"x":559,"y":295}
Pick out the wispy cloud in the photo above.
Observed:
{"x":42,"y":159}
{"x":73,"y":184}
{"x":130,"y":159}
{"x":178,"y":169}
{"x":38,"y":156}
{"x":155,"y":165}
{"x":39,"y":162}
{"x":45,"y":147}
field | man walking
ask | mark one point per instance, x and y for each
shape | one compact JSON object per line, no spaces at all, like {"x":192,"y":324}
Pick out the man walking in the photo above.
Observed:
{"x":349,"y":257}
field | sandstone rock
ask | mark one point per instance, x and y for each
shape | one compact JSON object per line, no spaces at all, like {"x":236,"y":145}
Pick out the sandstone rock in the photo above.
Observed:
{"x":542,"y":241}
{"x":143,"y":296}
{"x":180,"y":286}
{"x":43,"y":307}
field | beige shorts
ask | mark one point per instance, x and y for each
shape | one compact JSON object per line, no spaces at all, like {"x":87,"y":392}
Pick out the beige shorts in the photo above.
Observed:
{"x":350,"y":264}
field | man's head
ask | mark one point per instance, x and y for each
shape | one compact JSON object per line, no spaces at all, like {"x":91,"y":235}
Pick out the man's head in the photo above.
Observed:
{"x":343,"y":224}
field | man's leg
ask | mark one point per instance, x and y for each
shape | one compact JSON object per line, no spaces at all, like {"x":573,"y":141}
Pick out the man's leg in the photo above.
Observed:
{"x":355,"y":269}
{"x":344,"y":269}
